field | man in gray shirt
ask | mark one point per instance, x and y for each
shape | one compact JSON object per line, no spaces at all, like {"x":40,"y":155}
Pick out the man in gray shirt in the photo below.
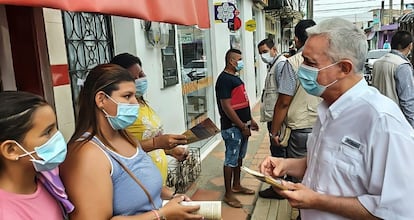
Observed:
{"x":393,"y":76}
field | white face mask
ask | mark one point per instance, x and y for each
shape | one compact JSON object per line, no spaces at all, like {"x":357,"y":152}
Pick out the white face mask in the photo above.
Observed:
{"x":266,"y":57}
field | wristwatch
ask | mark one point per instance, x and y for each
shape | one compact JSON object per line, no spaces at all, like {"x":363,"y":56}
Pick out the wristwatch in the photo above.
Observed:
{"x":272,"y":135}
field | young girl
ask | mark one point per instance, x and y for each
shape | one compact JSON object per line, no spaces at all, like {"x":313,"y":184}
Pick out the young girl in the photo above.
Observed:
{"x":107,"y":174}
{"x":31,"y":148}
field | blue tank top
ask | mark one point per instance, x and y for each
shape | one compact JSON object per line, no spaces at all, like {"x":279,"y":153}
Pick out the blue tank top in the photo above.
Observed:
{"x":128,"y":197}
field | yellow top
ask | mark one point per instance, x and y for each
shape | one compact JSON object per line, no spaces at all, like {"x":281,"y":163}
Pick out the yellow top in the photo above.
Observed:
{"x":147,"y":126}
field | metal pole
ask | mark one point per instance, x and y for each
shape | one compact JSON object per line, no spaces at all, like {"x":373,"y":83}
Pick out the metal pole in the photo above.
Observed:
{"x":390,"y":21}
{"x":309,"y":9}
{"x":382,"y":14}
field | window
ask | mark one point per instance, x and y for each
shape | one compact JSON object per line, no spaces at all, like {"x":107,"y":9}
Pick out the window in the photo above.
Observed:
{"x":196,"y":77}
{"x":89,"y":42}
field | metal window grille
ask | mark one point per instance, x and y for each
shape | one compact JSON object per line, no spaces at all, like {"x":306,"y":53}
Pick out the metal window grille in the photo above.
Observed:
{"x":89,"y":41}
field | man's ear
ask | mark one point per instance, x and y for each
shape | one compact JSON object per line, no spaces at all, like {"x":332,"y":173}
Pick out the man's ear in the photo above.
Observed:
{"x":9,"y":150}
{"x":346,"y":66}
{"x":275,"y":50}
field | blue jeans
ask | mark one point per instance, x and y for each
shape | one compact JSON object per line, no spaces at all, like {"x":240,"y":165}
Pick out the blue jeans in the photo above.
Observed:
{"x":236,"y":146}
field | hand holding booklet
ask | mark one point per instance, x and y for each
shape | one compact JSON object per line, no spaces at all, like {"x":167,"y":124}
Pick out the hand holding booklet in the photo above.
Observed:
{"x":210,"y":210}
{"x":264,"y":178}
{"x":202,"y":130}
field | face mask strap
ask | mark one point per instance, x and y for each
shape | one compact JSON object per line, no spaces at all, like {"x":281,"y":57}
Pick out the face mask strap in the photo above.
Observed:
{"x":111,"y":98}
{"x":326,"y":67}
{"x":26,"y":153}
{"x":106,"y":113}
{"x":141,"y":79}
{"x":117,"y":103}
{"x":330,"y":84}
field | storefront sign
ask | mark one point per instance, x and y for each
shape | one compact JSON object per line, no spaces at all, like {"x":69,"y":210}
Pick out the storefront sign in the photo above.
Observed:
{"x":250,"y":25}
{"x":234,"y":24}
{"x":186,"y":38}
{"x":223,"y":12}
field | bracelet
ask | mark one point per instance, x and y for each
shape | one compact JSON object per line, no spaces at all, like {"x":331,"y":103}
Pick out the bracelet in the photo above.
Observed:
{"x":157,"y":216}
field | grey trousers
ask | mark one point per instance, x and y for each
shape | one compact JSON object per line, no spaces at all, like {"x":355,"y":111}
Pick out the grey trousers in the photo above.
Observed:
{"x":297,"y":146}
{"x":297,"y":143}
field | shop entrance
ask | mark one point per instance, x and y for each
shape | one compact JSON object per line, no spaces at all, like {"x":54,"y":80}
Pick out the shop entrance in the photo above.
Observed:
{"x":25,"y":61}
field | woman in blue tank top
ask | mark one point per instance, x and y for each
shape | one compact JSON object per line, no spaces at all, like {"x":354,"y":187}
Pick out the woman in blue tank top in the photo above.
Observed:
{"x":106,"y":173}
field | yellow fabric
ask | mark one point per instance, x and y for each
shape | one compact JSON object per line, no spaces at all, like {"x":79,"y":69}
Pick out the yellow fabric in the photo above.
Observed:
{"x":147,"y":126}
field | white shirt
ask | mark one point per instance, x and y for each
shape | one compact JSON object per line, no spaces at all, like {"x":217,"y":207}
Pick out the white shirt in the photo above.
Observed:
{"x":362,"y":146}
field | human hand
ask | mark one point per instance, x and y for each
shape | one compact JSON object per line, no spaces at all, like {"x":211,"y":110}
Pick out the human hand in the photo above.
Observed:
{"x":173,"y":210}
{"x":254,"y":126}
{"x":180,"y":152}
{"x":273,"y":166}
{"x":169,"y":141}
{"x":246,"y":131}
{"x":298,"y":195}
{"x":276,"y":140}
{"x":186,"y":198}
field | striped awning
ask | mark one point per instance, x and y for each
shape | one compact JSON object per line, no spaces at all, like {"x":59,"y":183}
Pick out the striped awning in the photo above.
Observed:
{"x":184,"y":12}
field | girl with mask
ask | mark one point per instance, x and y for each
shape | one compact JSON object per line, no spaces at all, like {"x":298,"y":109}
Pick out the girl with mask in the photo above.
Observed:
{"x":147,"y":128}
{"x":31,"y":148}
{"x":107,"y":174}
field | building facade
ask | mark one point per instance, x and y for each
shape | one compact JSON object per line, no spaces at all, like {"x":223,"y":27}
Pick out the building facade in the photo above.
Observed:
{"x":49,"y":52}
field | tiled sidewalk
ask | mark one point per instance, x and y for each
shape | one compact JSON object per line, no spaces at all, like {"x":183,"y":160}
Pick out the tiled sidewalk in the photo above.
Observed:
{"x":210,"y":184}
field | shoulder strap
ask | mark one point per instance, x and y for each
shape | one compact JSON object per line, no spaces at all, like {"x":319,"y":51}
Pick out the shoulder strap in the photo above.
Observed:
{"x":136,"y":180}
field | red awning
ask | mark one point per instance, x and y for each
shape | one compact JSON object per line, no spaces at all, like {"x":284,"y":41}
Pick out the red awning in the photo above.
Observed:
{"x":184,"y":12}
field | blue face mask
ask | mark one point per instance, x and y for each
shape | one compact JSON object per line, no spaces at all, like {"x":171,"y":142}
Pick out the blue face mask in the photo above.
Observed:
{"x":308,"y":79}
{"x":52,"y":153}
{"x":141,"y":85}
{"x":126,"y":114}
{"x":240,"y":65}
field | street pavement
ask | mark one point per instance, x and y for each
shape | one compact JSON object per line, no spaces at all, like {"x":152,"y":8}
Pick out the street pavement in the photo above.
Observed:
{"x":209,"y":186}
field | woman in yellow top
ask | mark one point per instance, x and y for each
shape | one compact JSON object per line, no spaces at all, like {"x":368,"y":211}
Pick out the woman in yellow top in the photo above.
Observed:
{"x":148,"y":128}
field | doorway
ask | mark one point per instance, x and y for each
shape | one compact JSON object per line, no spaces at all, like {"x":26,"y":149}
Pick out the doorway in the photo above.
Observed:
{"x":27,"y":54}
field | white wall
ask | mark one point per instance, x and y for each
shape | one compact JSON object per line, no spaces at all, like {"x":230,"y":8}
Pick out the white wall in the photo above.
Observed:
{"x":168,"y":102}
{"x":57,"y":56}
{"x":248,"y":52}
{"x":260,"y":35}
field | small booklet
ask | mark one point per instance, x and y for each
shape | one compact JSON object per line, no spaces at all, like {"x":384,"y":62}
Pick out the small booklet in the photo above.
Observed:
{"x":284,"y":135}
{"x":264,"y":178}
{"x":210,"y":210}
{"x":202,"y":130}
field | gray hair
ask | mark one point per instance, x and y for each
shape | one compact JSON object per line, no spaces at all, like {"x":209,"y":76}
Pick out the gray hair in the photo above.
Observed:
{"x":346,"y":41}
